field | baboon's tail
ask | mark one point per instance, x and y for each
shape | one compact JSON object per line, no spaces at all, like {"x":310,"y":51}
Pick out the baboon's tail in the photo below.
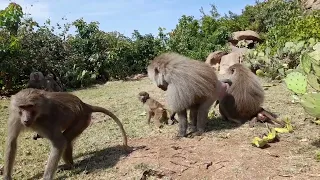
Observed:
{"x":114,"y":117}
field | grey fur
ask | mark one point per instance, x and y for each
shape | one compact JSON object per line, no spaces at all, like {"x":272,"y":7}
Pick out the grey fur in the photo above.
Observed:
{"x":190,"y":84}
{"x":244,"y":97}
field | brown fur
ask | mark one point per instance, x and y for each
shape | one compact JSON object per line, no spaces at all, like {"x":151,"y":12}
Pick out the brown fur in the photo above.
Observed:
{"x":48,"y":114}
{"x":51,"y":84}
{"x":154,"y":110}
{"x":190,"y":84}
{"x":244,"y":97}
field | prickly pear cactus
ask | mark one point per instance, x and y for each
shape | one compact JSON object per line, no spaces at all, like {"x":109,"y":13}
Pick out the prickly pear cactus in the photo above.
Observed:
{"x":316,"y":47}
{"x":311,"y":104}
{"x":296,"y":82}
{"x":306,"y":63}
{"x":313,"y":81}
{"x":315,"y":55}
{"x":259,"y":73}
{"x":316,"y":69}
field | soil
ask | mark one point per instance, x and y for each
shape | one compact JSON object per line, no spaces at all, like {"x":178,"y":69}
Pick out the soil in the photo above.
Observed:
{"x":225,"y":151}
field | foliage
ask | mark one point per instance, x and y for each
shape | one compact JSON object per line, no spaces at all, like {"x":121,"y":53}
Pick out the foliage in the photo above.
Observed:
{"x":91,"y":55}
{"x":10,"y":19}
{"x":310,"y":73}
{"x":299,"y":28}
{"x":272,"y":135}
{"x":276,"y":65}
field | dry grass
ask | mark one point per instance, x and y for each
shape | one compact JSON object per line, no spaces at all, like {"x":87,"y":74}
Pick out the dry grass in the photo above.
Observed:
{"x":225,"y":148}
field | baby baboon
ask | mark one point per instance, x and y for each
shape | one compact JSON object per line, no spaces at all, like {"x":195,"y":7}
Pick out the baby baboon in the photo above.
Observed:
{"x":51,"y":84}
{"x":190,"y":84}
{"x":48,"y":114}
{"x":36,"y":81}
{"x":265,"y":116}
{"x":243,"y":98}
{"x":154,"y":110}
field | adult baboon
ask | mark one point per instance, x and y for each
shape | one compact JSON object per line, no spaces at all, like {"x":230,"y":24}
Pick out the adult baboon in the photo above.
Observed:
{"x":155,"y":110}
{"x":190,"y":84}
{"x":36,"y":80}
{"x":243,"y":97}
{"x":48,"y":114}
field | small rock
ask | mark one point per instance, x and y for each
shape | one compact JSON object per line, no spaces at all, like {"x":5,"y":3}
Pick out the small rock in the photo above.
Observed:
{"x":208,"y":164}
{"x":304,"y":140}
{"x":175,"y":147}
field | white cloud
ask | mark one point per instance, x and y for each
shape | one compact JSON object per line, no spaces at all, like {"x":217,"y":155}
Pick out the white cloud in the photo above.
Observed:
{"x":38,"y":10}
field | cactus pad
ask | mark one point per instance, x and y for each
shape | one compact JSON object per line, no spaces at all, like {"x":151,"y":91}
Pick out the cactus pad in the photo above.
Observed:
{"x":316,"y":69}
{"x":313,"y":81}
{"x":296,"y":82}
{"x":306,"y":62}
{"x":311,"y":104}
{"x":259,"y":73}
{"x":315,"y":55}
{"x":300,"y":46}
{"x":312,"y":42}
{"x":316,"y":47}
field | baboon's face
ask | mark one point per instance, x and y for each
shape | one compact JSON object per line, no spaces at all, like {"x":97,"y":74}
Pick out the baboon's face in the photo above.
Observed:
{"x":36,"y":76}
{"x":28,"y":114}
{"x":161,"y":82}
{"x":143,"y":96}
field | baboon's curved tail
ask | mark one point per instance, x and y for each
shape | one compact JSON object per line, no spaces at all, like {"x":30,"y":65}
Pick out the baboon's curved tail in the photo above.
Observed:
{"x":115,"y":118}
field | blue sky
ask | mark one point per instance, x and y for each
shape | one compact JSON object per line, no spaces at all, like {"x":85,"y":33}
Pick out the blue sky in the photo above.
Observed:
{"x":125,"y":16}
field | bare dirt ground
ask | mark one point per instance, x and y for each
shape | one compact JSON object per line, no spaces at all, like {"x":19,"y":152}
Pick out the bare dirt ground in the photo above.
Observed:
{"x":224,"y":152}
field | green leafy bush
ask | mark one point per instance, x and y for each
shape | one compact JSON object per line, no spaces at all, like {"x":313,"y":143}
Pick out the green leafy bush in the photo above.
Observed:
{"x":298,"y":28}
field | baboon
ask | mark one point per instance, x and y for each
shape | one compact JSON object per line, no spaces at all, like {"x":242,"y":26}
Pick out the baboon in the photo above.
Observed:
{"x":155,"y":110}
{"x":243,"y":97}
{"x":190,"y":84}
{"x":36,"y":80}
{"x":48,"y":114}
{"x":225,"y":84}
{"x":51,"y":84}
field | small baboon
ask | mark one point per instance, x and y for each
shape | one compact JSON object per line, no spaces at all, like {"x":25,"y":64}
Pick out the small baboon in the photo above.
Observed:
{"x":51,"y":84}
{"x":265,"y":116}
{"x":190,"y":84}
{"x":244,"y":95}
{"x":155,"y":110}
{"x":57,"y":116}
{"x":36,"y":81}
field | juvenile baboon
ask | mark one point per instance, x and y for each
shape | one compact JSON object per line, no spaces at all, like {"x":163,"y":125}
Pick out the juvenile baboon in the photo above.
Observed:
{"x":190,"y":84}
{"x":243,"y":97}
{"x":48,"y":114}
{"x":155,"y":110}
{"x":51,"y":84}
{"x":36,"y":81}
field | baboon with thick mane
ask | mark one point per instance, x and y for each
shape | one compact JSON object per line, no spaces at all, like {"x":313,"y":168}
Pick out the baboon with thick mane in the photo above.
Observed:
{"x":190,"y":84}
{"x":243,"y":98}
